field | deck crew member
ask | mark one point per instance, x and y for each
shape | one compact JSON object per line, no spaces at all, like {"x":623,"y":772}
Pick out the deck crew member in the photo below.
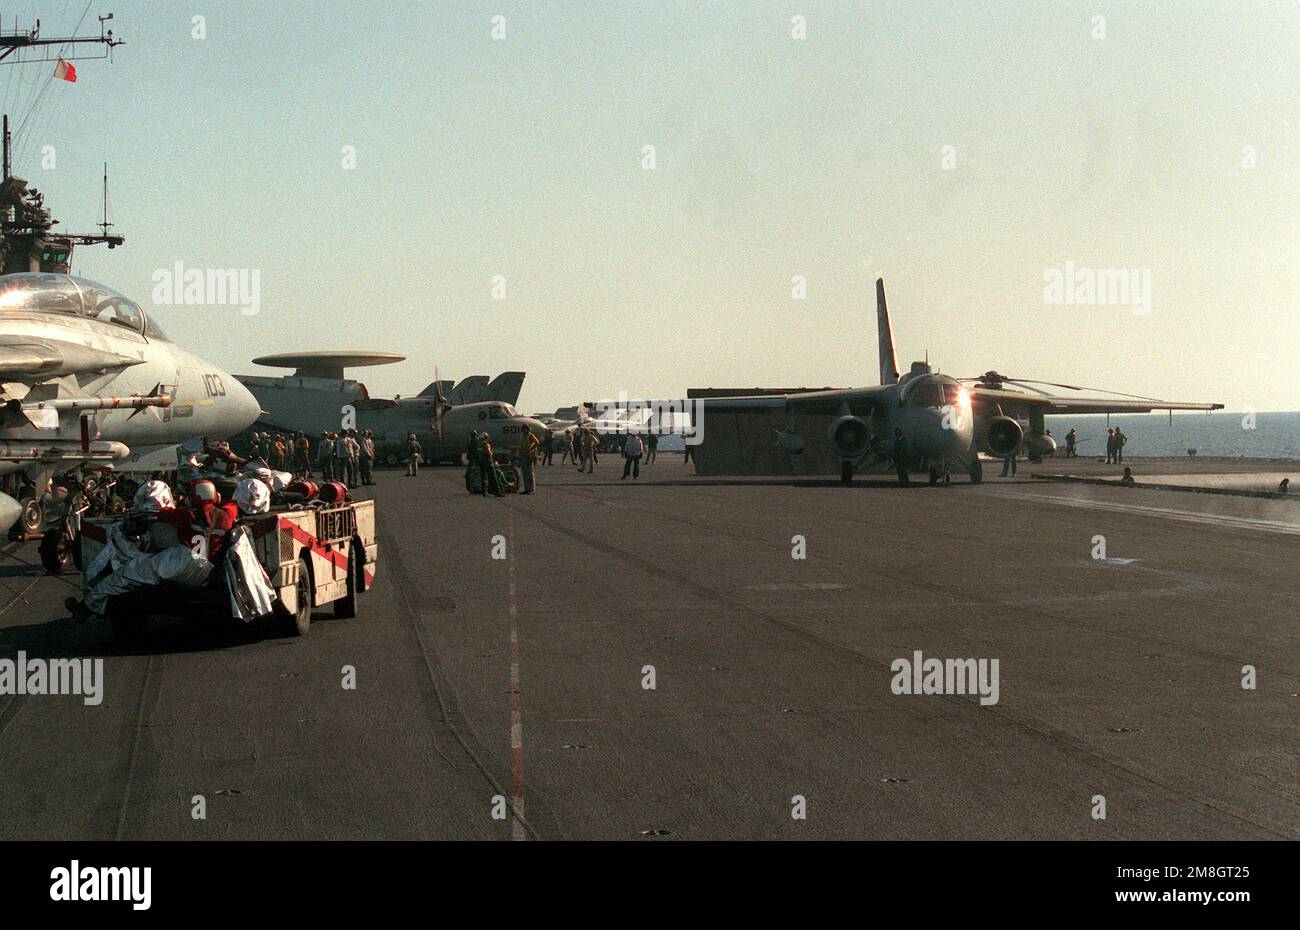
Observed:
{"x":302,"y":455}
{"x":900,"y":456}
{"x":341,"y":469}
{"x":412,"y":455}
{"x":368,"y":457}
{"x":325,"y":454}
{"x":528,"y":446}
{"x":633,"y":449}
{"x":487,"y":466}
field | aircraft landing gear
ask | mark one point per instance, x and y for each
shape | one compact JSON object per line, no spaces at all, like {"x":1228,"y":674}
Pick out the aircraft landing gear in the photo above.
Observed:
{"x":934,"y":475}
{"x":846,"y":471}
{"x":32,"y":519}
{"x":976,"y":470}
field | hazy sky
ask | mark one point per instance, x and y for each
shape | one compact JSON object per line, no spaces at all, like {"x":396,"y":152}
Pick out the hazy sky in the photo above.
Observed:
{"x":775,"y":157}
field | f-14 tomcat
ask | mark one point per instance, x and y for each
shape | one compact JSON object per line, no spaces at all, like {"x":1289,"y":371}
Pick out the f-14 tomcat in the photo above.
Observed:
{"x":924,"y":420}
{"x":87,"y":377}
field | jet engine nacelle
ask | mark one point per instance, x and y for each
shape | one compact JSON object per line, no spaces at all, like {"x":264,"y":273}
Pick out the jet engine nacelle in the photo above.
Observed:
{"x":1039,"y":445}
{"x":790,"y":442}
{"x":849,"y":436}
{"x":1004,"y":436}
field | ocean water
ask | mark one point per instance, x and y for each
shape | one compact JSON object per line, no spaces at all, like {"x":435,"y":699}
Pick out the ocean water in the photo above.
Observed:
{"x":1219,"y":434}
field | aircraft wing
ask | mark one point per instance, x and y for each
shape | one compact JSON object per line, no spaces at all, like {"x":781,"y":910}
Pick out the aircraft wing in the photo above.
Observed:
{"x":860,"y":401}
{"x":1019,"y":404}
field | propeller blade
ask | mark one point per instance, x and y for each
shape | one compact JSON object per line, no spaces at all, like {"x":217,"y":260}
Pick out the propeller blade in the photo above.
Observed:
{"x":1027,"y":387}
{"x":993,"y":377}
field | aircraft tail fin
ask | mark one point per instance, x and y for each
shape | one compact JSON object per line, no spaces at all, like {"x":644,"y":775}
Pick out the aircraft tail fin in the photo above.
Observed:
{"x":437,"y":388}
{"x":506,"y":386}
{"x":888,"y":363}
{"x":470,"y":390}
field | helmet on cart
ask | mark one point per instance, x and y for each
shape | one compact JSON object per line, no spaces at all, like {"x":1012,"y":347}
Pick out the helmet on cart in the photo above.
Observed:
{"x":153,"y":496}
{"x":203,"y":491}
{"x":253,"y":496}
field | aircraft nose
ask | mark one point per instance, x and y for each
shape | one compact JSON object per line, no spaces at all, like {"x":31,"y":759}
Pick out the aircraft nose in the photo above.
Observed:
{"x":949,"y":432}
{"x":959,"y":435}
{"x":246,"y":408}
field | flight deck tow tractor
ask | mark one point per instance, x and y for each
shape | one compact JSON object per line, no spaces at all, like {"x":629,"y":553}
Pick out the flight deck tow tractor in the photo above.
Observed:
{"x":314,"y":555}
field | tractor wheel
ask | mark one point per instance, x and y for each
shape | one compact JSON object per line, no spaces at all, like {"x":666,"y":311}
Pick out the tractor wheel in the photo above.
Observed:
{"x":345,"y":608}
{"x":298,"y":622}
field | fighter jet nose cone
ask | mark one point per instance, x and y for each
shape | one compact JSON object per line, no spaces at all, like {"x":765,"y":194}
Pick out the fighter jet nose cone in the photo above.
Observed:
{"x":249,"y":409}
{"x":10,"y":511}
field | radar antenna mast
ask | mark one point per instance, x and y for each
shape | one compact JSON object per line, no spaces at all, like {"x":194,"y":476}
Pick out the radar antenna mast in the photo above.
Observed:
{"x":17,"y":39}
{"x":26,"y":241}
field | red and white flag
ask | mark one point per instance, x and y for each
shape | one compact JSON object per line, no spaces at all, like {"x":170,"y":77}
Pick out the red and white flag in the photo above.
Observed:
{"x":65,"y":71}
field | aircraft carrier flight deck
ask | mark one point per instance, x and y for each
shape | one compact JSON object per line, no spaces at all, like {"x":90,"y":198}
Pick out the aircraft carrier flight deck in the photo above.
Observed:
{"x":650,"y":659}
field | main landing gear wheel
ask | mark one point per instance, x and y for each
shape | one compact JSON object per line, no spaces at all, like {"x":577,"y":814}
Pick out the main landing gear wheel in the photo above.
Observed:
{"x":846,"y":472}
{"x":56,"y":552}
{"x":934,"y":476}
{"x":902,"y":476}
{"x":976,"y":471}
{"x":32,"y":518}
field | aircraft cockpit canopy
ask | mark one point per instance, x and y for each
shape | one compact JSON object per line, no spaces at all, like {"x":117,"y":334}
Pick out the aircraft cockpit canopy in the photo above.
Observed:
{"x":501,"y":412}
{"x":930,"y":391}
{"x":38,"y":292}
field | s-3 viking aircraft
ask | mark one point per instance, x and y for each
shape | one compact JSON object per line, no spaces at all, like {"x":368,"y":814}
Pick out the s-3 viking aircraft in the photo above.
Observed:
{"x":924,"y":420}
{"x":86,"y":377}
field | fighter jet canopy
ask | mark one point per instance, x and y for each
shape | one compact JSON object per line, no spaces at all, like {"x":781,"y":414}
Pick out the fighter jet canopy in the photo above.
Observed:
{"x":38,"y":292}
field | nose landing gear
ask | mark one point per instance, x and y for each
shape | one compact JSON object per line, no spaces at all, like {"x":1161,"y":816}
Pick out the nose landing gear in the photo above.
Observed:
{"x":940,"y":473}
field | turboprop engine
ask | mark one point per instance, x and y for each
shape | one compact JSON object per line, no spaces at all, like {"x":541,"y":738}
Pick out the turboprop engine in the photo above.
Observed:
{"x":849,"y":436}
{"x":1004,"y":436}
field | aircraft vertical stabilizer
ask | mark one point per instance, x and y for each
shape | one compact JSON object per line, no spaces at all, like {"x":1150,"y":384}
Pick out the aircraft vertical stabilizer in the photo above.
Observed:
{"x":506,"y":387}
{"x":470,"y":390}
{"x":888,"y":364}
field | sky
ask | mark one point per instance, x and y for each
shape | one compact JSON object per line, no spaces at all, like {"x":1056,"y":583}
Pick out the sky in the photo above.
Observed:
{"x":962,"y":151}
